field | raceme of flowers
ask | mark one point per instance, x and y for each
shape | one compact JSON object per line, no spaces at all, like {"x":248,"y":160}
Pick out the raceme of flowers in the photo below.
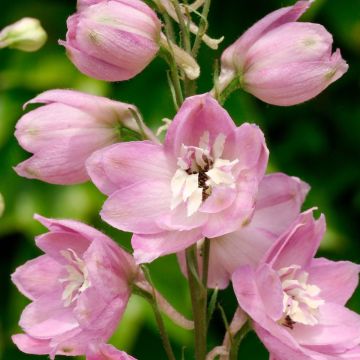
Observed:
{"x":202,"y":193}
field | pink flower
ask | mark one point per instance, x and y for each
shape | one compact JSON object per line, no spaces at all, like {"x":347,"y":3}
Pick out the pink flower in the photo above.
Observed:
{"x":79,"y":290}
{"x":278,"y":204}
{"x":66,"y":131}
{"x":297,"y":302}
{"x":201,"y":183}
{"x":112,"y":40}
{"x":108,"y":352}
{"x":281,"y":61}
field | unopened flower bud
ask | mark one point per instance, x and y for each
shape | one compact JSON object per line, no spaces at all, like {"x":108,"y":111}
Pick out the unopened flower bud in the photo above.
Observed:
{"x":112,"y":40}
{"x":26,"y":34}
{"x":281,"y":61}
{"x":64,"y":132}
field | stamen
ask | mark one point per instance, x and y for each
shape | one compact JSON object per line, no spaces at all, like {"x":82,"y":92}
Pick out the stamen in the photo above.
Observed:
{"x":200,"y":170}
{"x":77,"y":279}
{"x":301,"y":300}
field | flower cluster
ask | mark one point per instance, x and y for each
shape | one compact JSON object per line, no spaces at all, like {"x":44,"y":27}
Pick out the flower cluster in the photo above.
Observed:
{"x":202,"y":194}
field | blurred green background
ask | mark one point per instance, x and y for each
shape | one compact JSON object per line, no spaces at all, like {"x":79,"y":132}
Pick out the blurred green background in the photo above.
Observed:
{"x":318,"y":141}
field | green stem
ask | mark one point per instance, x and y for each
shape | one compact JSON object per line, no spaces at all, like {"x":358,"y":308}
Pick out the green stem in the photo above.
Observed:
{"x":198,"y":294}
{"x":163,"y":334}
{"x":151,"y":298}
{"x":185,"y":35}
{"x":202,"y":28}
{"x":237,"y":339}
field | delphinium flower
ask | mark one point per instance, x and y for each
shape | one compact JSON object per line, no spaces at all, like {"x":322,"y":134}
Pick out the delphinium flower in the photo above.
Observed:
{"x":64,"y":132}
{"x":277,"y":205}
{"x":201,"y":183}
{"x":79,"y":290}
{"x":281,"y":61}
{"x":296,"y":302}
{"x":112,"y":40}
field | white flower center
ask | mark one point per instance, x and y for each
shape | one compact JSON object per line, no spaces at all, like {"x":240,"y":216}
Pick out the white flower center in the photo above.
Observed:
{"x":301,"y":300}
{"x":200,"y":170}
{"x":77,"y":280}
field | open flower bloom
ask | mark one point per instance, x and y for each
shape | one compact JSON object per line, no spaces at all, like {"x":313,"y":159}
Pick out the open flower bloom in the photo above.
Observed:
{"x":297,"y":302}
{"x":201,"y":183}
{"x":281,"y":61}
{"x":79,"y":290}
{"x":112,"y":40}
{"x":107,"y":352}
{"x":66,"y":131}
{"x":278,"y":204}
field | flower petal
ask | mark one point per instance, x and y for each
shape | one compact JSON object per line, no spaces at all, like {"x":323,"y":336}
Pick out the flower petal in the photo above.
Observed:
{"x":121,"y":165}
{"x":247,"y":145}
{"x":338,"y":330}
{"x":299,"y":81}
{"x":149,"y":247}
{"x":281,"y":195}
{"x":336,"y":279}
{"x":298,"y":245}
{"x":197,"y":115}
{"x":291,"y":42}
{"x":108,"y":352}
{"x":30,"y":345}
{"x":37,"y":277}
{"x":267,"y":23}
{"x":137,"y":207}
{"x":47,"y":317}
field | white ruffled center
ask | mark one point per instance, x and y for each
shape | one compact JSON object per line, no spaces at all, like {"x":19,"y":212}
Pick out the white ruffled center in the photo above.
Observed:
{"x":201,"y":169}
{"x":77,"y":280}
{"x":301,"y":300}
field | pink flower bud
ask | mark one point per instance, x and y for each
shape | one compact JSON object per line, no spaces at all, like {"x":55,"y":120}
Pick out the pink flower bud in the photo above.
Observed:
{"x":112,"y":40}
{"x":66,"y":131}
{"x":283,"y":62}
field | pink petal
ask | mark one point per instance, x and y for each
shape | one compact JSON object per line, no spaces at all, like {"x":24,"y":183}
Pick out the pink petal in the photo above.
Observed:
{"x":337,"y":331}
{"x":149,"y":247}
{"x":235,"y":216}
{"x":281,"y":195}
{"x":102,"y":109}
{"x":37,"y":277}
{"x":291,"y":42}
{"x":247,"y":144}
{"x":336,"y":279}
{"x":108,"y":352}
{"x":269,"y":22}
{"x":282,"y":349}
{"x":299,"y":245}
{"x":94,"y":67}
{"x":124,"y":164}
{"x":71,"y":226}
{"x":47,"y":317}
{"x":30,"y":345}
{"x":295,"y":82}
{"x":245,"y":246}
{"x":177,"y":219}
{"x":110,"y":269}
{"x":53,"y":243}
{"x":221,"y":198}
{"x":259,"y":293}
{"x":137,"y":207}
{"x":197,"y":115}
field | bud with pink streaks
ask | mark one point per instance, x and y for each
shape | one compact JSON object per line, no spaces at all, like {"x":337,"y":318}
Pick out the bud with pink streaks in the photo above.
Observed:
{"x":112,"y":40}
{"x":281,"y":61}
{"x":64,"y":132}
